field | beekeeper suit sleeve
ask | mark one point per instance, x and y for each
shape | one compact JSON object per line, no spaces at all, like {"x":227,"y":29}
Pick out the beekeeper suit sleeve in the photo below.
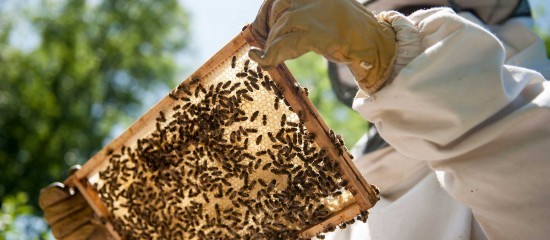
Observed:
{"x":479,"y":122}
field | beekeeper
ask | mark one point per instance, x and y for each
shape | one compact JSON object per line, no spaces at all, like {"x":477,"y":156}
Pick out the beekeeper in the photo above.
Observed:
{"x":460,"y":98}
{"x":463,"y":106}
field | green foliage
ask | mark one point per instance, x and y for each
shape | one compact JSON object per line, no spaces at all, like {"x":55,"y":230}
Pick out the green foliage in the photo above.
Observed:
{"x":540,"y":13}
{"x":311,"y":71}
{"x":14,"y":205}
{"x":546,"y":38}
{"x":16,"y":220}
{"x":93,"y":64}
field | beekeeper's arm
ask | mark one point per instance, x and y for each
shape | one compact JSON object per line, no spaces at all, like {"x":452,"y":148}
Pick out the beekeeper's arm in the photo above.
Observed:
{"x":447,"y":99}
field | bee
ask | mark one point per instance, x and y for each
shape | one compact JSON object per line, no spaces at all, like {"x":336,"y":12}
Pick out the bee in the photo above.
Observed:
{"x":280,"y":137}
{"x":218,"y":212}
{"x":254,"y":116}
{"x":232,"y":137}
{"x":306,"y":91}
{"x":246,"y":65}
{"x":255,"y":85}
{"x":205,"y":198}
{"x":248,"y":87}
{"x":262,"y":182}
{"x":259,"y":71}
{"x":173,"y":96}
{"x":267,"y":83}
{"x":235,"y":86}
{"x":286,"y":102}
{"x":241,"y":75}
{"x":283,"y":120}
{"x":292,"y":124}
{"x":194,"y":80}
{"x":331,"y":134}
{"x":311,"y":136}
{"x":241,"y":91}
{"x":264,"y":120}
{"x":228,"y":191}
{"x":184,"y":89}
{"x":251,"y":130}
{"x":233,"y":61}
{"x":201,"y":88}
{"x":272,"y":184}
{"x":259,"y":139}
{"x":226,"y":84}
{"x":340,"y":140}
{"x":253,"y":73}
{"x":227,"y":183}
{"x":297,"y":86}
{"x":257,"y":164}
{"x":343,"y":226}
{"x":271,"y":137}
{"x":261,"y":153}
{"x":245,"y":144}
{"x":220,"y":192}
{"x":322,"y":152}
{"x":243,"y":194}
{"x":223,"y":104}
{"x":247,"y":97}
{"x":109,"y":151}
{"x":266,"y":166}
{"x":276,"y":104}
{"x":275,"y":87}
{"x":219,"y":86}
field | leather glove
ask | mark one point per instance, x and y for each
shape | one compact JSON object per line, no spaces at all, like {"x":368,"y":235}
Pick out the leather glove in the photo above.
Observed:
{"x":341,"y":30}
{"x":68,"y":213}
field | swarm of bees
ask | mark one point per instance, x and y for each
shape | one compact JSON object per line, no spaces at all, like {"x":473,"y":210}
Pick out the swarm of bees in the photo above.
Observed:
{"x":229,"y":159}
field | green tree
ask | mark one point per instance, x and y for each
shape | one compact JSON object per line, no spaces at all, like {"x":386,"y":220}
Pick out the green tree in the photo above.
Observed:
{"x":311,"y":71}
{"x":93,"y":63}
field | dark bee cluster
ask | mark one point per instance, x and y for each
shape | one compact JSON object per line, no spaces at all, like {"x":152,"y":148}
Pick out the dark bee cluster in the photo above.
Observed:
{"x":228,"y":160}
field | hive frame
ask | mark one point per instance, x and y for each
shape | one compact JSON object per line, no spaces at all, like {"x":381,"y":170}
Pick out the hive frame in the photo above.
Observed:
{"x":365,"y":194}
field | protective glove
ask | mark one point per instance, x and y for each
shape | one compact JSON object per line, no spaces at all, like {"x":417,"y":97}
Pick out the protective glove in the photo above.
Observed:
{"x":68,"y":213}
{"x":341,"y":30}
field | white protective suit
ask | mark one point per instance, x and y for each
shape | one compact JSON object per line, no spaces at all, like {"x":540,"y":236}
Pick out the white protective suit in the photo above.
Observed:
{"x":468,"y":120}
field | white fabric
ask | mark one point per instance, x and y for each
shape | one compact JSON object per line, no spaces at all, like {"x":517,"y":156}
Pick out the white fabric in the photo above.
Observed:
{"x":469,"y":123}
{"x":408,"y":40}
{"x":492,"y":11}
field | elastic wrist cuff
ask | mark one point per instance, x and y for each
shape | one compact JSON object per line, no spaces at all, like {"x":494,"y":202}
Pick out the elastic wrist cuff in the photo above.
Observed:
{"x":408,"y":47}
{"x":408,"y":40}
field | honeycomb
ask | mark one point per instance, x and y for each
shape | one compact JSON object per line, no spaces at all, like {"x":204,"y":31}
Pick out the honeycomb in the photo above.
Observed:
{"x":228,"y":158}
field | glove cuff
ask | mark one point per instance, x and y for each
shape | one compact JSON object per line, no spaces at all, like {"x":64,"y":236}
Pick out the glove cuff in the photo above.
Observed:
{"x":407,"y":44}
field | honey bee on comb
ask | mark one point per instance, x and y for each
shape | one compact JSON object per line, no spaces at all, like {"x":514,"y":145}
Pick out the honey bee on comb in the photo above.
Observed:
{"x":222,"y":158}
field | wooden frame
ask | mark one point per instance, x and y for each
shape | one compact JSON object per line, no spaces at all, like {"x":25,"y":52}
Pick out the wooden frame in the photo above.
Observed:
{"x":365,"y":195}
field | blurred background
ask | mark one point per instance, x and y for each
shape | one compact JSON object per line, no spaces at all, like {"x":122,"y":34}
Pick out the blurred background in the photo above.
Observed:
{"x":75,"y":73}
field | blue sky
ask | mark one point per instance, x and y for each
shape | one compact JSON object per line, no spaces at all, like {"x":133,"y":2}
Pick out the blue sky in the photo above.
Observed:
{"x":213,"y":24}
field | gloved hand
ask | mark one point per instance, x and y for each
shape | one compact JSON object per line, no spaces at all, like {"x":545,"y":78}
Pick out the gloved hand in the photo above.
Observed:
{"x":341,"y":30}
{"x":68,"y":214}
